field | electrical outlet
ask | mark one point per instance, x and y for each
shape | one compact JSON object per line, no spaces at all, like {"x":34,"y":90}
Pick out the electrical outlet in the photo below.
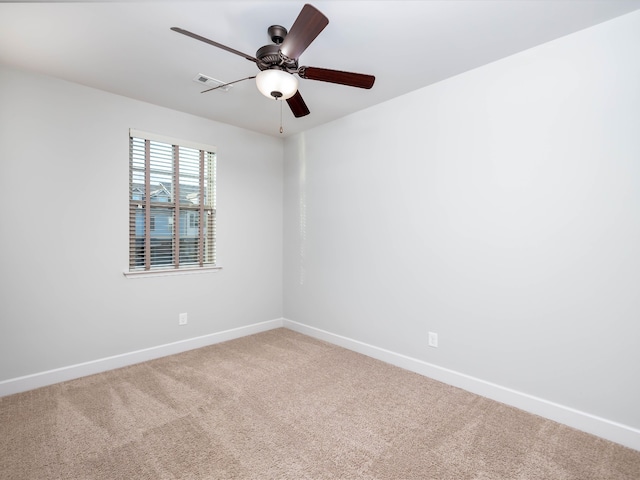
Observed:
{"x":433,"y":339}
{"x":182,"y":319}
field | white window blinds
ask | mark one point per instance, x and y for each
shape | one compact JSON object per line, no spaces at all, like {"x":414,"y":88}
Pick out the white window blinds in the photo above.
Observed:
{"x":172,"y":211}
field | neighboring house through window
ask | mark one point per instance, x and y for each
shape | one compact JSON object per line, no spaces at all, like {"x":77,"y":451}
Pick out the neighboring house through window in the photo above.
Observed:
{"x":172,"y":210}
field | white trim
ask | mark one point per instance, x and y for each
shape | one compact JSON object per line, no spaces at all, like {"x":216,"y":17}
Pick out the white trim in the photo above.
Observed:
{"x":42,"y":379}
{"x":170,"y":140}
{"x":586,"y":422}
{"x":601,"y":427}
{"x":170,"y":272}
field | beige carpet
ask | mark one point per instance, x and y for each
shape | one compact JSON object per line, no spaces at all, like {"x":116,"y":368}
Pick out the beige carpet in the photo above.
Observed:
{"x":280,"y":405}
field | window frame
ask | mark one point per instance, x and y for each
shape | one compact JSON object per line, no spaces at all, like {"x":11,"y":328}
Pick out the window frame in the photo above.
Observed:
{"x":208,"y":212}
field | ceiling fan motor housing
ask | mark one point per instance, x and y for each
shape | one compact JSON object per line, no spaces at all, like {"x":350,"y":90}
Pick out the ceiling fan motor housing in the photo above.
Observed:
{"x":270,"y":56}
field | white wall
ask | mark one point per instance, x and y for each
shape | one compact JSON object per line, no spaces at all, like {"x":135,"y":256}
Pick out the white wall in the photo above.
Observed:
{"x":64,"y":241}
{"x":500,"y":209}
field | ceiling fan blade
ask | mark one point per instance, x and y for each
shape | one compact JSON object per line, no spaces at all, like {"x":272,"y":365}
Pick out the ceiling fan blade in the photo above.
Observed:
{"x":227,"y":84}
{"x":215,"y":44}
{"x":359,"y":80}
{"x":305,"y":29}
{"x":297,"y":105}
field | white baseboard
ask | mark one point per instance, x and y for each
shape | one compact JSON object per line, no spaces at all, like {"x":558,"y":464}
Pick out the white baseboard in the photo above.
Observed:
{"x":601,"y":427}
{"x":49,"y":377}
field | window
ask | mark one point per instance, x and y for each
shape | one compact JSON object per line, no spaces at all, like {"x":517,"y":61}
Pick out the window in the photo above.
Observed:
{"x":172,"y":212}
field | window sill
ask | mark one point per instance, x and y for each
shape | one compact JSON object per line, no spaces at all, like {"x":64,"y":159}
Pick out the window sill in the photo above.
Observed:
{"x":171,"y":272}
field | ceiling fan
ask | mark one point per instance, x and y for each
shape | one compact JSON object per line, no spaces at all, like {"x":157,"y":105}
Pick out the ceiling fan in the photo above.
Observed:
{"x":278,"y":62}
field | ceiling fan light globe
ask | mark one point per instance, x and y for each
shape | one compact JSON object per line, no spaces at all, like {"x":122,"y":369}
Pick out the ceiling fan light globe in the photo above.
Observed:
{"x":277,"y":84}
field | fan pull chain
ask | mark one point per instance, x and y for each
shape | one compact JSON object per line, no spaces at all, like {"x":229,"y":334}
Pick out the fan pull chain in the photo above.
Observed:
{"x":281,"y":130}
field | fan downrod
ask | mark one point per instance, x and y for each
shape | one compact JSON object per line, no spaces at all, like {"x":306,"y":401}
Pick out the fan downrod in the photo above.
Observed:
{"x":269,"y":56}
{"x":277,"y":33}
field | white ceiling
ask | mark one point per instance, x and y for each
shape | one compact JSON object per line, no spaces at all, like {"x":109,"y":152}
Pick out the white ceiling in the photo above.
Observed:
{"x":126,"y":47}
